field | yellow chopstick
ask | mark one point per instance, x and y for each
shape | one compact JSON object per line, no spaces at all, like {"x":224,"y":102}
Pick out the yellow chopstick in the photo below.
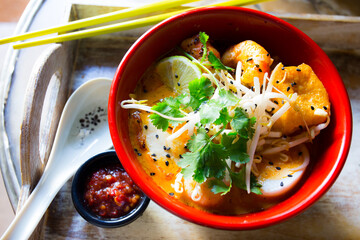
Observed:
{"x":104,"y":18}
{"x":122,"y":26}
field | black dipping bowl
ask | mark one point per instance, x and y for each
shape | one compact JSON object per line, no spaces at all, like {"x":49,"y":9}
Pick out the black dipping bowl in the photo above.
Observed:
{"x":78,"y":190}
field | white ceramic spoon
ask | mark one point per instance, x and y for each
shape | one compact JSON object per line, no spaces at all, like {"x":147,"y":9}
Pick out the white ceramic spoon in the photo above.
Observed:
{"x":75,"y":142}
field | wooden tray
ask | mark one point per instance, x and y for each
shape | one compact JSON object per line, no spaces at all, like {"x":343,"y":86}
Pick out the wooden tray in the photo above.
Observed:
{"x":63,"y":67}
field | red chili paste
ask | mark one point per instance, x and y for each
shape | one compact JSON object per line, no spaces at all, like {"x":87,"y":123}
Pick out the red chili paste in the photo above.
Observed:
{"x":111,"y":193}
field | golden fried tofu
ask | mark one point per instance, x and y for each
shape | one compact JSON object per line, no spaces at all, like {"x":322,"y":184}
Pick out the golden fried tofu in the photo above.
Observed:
{"x":312,"y":105}
{"x":254,"y":58}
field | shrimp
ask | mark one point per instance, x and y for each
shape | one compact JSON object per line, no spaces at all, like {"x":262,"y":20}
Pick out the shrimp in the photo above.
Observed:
{"x":255,"y":60}
{"x":194,"y":47}
{"x":312,"y":105}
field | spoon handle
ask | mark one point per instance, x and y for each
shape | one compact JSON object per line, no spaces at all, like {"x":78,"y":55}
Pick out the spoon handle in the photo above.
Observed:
{"x":31,"y":213}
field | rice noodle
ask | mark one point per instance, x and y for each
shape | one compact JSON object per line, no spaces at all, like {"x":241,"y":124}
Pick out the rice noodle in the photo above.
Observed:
{"x":178,"y":184}
{"x":196,"y":193}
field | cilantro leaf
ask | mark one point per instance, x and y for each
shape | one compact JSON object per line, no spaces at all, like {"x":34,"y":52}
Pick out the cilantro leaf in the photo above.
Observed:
{"x":203,"y":39}
{"x":198,"y":140}
{"x":210,"y":111}
{"x":237,"y":151}
{"x":224,"y":117}
{"x":216,"y":63}
{"x":227,"y":98}
{"x":169,"y":107}
{"x":239,"y":181}
{"x":218,"y":186}
{"x":215,"y":110}
{"x":242,"y":124}
{"x":206,"y":159}
{"x":200,"y":90}
{"x":188,"y":163}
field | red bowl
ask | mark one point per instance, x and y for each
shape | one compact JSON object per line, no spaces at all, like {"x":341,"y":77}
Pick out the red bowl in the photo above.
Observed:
{"x":229,"y":25}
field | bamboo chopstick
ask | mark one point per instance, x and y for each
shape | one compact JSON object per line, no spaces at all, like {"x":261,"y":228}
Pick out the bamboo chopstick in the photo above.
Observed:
{"x":142,"y":22}
{"x":103,"y":18}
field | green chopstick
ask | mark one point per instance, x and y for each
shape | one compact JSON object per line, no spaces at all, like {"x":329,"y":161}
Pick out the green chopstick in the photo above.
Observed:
{"x":103,"y":18}
{"x":123,"y":25}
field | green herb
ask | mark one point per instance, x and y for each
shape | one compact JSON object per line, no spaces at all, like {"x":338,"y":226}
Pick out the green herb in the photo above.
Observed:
{"x":216,"y":63}
{"x":207,"y":159}
{"x":169,"y":107}
{"x":242,"y":124}
{"x":203,"y":39}
{"x":200,"y":90}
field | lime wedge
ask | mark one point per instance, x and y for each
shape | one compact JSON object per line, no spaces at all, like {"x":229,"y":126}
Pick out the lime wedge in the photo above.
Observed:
{"x":176,"y":72}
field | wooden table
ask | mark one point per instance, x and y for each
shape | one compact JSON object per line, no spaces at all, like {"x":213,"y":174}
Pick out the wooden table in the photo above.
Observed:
{"x":335,"y":216}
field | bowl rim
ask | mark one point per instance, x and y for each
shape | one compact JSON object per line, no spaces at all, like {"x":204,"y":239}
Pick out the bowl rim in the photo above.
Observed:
{"x":105,"y":158}
{"x":232,"y":222}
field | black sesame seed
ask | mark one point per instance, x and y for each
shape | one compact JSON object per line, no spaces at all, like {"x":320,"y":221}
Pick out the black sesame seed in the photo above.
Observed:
{"x":257,"y":65}
{"x":153,"y":155}
{"x":298,"y":69}
{"x":325,"y":107}
{"x":207,"y":130}
{"x":271,"y":163}
{"x":231,"y":82}
{"x":281,"y":184}
{"x":152,"y":174}
{"x":300,"y":153}
{"x":135,"y":149}
{"x":312,"y":108}
{"x":167,"y":163}
{"x":171,"y":194}
{"x":282,"y":68}
{"x":138,"y":121}
{"x":278,"y":168}
{"x":301,"y":127}
{"x":288,"y":88}
{"x":164,"y":147}
{"x":178,"y":84}
{"x":157,"y":136}
{"x":249,"y":59}
{"x":185,"y":146}
{"x":180,"y":156}
{"x":289,"y":175}
{"x":260,"y":70}
{"x":168,"y":148}
{"x":168,"y":155}
{"x":146,"y":127}
{"x":268,"y":54}
{"x":139,"y":154}
{"x":277,"y":81}
{"x":272,"y":109}
{"x":176,"y":76}
{"x":144,"y":90}
{"x":144,"y":145}
{"x":276,"y":102}
{"x":154,"y":159}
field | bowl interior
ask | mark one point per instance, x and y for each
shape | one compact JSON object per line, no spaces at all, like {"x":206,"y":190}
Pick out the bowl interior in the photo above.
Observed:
{"x":226,"y":26}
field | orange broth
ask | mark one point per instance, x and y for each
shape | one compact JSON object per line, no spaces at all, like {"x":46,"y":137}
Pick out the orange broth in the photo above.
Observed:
{"x":163,"y":169}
